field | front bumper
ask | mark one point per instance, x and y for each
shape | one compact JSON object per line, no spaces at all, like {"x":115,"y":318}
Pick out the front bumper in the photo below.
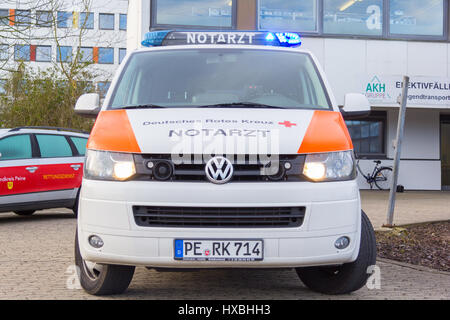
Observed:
{"x":332,"y":210}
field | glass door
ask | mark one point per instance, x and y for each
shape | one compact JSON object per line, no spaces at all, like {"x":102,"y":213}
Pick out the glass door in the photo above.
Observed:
{"x":445,"y":152}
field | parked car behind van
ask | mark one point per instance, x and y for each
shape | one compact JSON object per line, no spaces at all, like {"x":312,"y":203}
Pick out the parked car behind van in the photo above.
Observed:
{"x":40,"y":168}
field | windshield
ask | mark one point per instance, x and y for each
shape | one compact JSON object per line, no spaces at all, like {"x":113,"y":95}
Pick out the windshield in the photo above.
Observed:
{"x":220,"y":77}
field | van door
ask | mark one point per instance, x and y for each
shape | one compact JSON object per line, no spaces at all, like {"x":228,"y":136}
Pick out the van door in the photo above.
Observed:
{"x":19,"y":171}
{"x":61,"y":169}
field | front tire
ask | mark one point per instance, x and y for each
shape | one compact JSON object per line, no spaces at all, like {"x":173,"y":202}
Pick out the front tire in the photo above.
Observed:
{"x":102,"y":279}
{"x":75,"y":206}
{"x":348,"y":277}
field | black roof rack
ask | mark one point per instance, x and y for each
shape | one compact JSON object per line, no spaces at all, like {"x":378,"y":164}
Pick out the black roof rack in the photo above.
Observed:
{"x":48,"y":128}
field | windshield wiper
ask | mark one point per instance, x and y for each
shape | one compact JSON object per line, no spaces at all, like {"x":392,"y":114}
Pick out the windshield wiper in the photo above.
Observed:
{"x":241,"y":104}
{"x":144,"y":106}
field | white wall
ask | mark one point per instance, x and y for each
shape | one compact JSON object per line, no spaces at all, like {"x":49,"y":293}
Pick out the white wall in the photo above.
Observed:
{"x":138,"y":22}
{"x":420,"y":167}
{"x":421,"y":135}
{"x":349,"y":62}
{"x":413,"y":174}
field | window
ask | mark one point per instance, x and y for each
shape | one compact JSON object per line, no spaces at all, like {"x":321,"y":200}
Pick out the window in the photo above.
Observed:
{"x":3,"y":83}
{"x":15,"y":147}
{"x":80,"y":144}
{"x":87,"y":54}
{"x":123,"y":22}
{"x":217,"y":13}
{"x":106,"y":21}
{"x":64,"y":19}
{"x":106,"y":55}
{"x":353,"y":17}
{"x":4,"y":55}
{"x":44,"y":19}
{"x":52,"y":146}
{"x":192,"y":78}
{"x":4,"y":17}
{"x":122,"y":54}
{"x":64,"y":54}
{"x":395,"y":19}
{"x":290,"y":15}
{"x":43,"y":53}
{"x":103,"y":87}
{"x":21,"y":52}
{"x":22,"y":17}
{"x":368,"y":134}
{"x":413,"y":17}
{"x":87,"y":20}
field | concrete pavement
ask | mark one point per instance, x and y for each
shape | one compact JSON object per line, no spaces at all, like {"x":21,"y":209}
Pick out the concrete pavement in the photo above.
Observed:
{"x":36,"y":262}
{"x":411,"y":206}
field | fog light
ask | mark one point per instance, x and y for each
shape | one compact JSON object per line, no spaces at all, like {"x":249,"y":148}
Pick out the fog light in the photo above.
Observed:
{"x":342,"y":243}
{"x":95,"y":241}
{"x":162,"y":170}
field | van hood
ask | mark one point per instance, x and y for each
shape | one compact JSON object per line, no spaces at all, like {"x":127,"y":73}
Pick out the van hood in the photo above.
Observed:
{"x":219,"y":131}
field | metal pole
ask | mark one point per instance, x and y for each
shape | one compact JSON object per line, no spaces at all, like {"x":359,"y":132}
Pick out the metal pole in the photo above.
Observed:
{"x":398,"y":150}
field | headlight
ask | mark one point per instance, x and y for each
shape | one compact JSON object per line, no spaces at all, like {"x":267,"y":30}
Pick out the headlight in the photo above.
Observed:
{"x":104,"y":165}
{"x":330,"y":166}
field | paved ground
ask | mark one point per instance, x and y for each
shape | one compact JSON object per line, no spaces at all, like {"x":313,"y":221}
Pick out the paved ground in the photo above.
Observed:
{"x":36,"y":258}
{"x":411,"y":206}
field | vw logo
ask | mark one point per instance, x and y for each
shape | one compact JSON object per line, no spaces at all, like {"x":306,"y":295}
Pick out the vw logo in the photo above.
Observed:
{"x":219,"y":170}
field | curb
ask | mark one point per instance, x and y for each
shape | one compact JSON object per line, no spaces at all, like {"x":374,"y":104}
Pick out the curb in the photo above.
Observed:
{"x":411,"y":224}
{"x":413,"y":266}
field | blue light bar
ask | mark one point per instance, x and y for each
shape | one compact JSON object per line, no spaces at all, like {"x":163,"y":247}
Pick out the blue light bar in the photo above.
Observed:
{"x":188,"y":37}
{"x":270,"y":37}
{"x":289,"y":38}
{"x":154,"y":38}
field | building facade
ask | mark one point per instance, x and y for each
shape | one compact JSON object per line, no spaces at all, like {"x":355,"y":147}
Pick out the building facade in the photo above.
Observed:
{"x":365,"y":46}
{"x":30,"y":26}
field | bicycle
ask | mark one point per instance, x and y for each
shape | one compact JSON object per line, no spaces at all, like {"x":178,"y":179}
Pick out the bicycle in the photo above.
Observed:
{"x":380,"y":176}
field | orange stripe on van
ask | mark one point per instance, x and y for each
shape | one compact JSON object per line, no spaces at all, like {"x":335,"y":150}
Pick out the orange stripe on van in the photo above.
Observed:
{"x":326,"y":132}
{"x":113,"y":132}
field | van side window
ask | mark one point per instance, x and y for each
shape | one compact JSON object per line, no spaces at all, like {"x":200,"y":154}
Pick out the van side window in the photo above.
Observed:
{"x":15,"y":147}
{"x":80,"y":144}
{"x":52,"y":146}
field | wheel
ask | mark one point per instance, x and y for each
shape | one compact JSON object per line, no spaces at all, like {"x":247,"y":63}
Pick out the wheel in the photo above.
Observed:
{"x":348,"y":277}
{"x":25,"y":212}
{"x":383,"y":178}
{"x":75,"y":206}
{"x":102,"y":279}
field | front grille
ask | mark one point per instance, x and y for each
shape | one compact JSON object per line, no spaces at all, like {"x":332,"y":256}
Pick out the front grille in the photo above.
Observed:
{"x":245,"y":168}
{"x":215,"y":217}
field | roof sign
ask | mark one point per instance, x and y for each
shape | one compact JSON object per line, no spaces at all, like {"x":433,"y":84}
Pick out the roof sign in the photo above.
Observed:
{"x":171,"y":38}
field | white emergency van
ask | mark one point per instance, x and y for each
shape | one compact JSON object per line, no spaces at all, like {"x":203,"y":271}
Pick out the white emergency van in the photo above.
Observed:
{"x":221,"y":150}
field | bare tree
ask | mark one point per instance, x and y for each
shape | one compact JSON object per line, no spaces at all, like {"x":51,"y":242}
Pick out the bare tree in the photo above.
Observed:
{"x":47,"y":97}
{"x":18,"y":26}
{"x":51,"y":21}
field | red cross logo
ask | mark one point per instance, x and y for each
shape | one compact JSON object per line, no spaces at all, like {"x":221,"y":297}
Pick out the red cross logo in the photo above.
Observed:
{"x":287,"y":124}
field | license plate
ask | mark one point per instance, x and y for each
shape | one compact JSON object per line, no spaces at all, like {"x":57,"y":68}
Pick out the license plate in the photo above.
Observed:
{"x":218,"y":250}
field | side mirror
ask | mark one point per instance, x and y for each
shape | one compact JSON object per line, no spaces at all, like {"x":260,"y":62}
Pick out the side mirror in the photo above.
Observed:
{"x":88,"y":105}
{"x":355,"y":105}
